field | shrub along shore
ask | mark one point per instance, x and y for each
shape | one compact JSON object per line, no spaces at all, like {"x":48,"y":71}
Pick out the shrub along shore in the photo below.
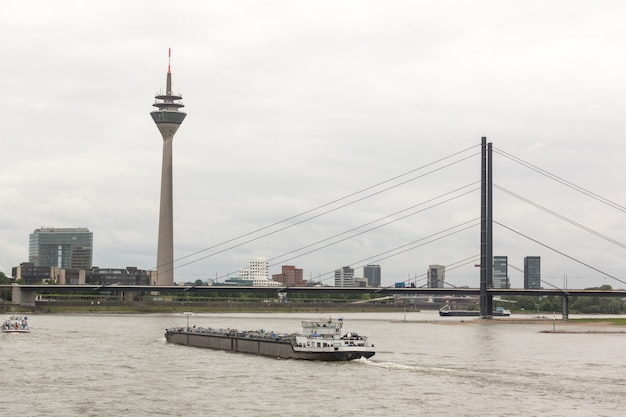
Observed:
{"x":211,"y":307}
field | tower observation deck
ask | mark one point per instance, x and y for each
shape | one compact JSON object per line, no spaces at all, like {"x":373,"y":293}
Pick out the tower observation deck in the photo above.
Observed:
{"x":168,"y":119}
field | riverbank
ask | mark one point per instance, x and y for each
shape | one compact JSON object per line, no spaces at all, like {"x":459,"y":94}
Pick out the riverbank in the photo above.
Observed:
{"x":595,"y":323}
{"x":213,"y":307}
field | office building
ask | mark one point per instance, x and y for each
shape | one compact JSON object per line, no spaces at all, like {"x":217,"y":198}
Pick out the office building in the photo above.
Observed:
{"x":28,"y":273}
{"x":372,"y":274}
{"x":501,"y":272}
{"x":168,"y":119}
{"x":31,"y":274}
{"x":344,"y":277}
{"x":117,"y":276}
{"x":359,"y":282}
{"x":290,"y":276}
{"x":436,"y":276}
{"x":532,"y":272}
{"x":66,"y":248}
{"x":257,"y":274}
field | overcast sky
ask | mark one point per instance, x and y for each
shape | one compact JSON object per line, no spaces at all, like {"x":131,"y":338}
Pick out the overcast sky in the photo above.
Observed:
{"x":295,"y":104}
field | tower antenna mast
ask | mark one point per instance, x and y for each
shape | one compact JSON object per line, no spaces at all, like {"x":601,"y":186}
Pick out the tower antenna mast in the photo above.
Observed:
{"x":168,"y":119}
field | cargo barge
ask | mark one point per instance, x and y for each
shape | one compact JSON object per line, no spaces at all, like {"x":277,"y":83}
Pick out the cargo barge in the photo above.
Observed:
{"x":320,"y":340}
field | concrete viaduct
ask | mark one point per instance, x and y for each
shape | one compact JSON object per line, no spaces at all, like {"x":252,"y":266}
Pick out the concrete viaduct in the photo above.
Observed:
{"x":25,"y":295}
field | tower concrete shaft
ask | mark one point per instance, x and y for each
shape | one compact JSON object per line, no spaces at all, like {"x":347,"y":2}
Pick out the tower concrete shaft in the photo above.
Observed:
{"x":168,"y":118}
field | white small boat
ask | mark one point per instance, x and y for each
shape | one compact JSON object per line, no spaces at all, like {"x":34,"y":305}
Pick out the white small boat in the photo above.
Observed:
{"x":16,"y":324}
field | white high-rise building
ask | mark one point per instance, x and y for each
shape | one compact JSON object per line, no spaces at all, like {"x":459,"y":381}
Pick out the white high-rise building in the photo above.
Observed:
{"x":344,"y":277}
{"x":258,"y":273}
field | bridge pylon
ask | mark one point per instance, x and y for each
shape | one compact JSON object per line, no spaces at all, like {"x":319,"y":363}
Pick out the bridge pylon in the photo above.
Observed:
{"x":486,"y":230}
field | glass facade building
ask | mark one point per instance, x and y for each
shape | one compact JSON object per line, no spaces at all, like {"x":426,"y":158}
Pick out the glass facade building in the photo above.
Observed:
{"x":372,"y":274}
{"x":532,"y":272}
{"x":67,"y":248}
{"x":501,"y":272}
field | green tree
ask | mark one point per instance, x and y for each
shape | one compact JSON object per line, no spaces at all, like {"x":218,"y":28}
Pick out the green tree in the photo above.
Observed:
{"x":4,"y":279}
{"x":550,"y":304}
{"x":5,"y":295}
{"x":596,"y":304}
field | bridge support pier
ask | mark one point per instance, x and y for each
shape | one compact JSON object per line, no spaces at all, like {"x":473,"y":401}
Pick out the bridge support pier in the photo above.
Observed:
{"x":126,"y":297}
{"x":22,"y":297}
{"x":565,"y":307}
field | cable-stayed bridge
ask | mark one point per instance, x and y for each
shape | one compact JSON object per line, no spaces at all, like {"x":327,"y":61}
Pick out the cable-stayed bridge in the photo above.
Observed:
{"x":421,"y":239}
{"x":447,"y":233}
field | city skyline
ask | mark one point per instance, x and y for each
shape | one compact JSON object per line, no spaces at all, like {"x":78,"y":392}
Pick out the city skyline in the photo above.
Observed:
{"x":259,"y":268}
{"x":299,"y":105}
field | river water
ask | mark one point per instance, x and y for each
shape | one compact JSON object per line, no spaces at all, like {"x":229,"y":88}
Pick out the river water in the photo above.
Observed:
{"x":114,"y":365}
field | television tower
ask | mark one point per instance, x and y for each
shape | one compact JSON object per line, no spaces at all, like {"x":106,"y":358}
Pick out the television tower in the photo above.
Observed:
{"x":167,"y":119}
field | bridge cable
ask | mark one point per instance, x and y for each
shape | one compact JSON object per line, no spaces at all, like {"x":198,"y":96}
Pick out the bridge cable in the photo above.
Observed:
{"x":561,"y":253}
{"x":572,"y":222}
{"x":372,"y":228}
{"x":449,"y":267}
{"x":561,"y":180}
{"x":319,"y":214}
{"x":376,"y":259}
{"x":333,"y":202}
{"x":385,"y":252}
{"x":394,"y":249}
